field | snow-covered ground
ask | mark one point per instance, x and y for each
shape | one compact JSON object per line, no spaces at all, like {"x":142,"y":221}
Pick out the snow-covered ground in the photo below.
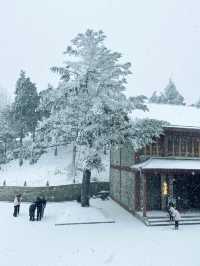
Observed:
{"x":125,"y":243}
{"x":51,"y":168}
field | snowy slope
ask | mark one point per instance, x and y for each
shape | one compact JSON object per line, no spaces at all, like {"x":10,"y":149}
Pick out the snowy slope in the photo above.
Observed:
{"x":174,"y":114}
{"x":51,"y":168}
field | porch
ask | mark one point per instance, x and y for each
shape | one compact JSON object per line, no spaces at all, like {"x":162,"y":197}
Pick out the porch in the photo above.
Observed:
{"x":163,"y":180}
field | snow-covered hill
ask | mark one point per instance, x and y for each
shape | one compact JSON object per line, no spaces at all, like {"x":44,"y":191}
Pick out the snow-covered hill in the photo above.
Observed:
{"x":51,"y":168}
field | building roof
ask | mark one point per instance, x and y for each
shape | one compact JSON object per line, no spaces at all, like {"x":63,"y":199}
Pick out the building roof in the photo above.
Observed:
{"x":177,"y":115}
{"x":168,"y":164}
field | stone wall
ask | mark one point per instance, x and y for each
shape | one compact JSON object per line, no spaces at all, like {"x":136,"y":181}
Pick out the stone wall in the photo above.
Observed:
{"x":122,"y":179}
{"x":52,"y":193}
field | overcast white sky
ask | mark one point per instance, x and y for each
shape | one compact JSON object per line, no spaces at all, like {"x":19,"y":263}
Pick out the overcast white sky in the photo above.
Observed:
{"x":160,"y":38}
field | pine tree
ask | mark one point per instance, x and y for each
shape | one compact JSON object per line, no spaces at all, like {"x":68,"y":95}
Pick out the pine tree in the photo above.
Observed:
{"x":154,"y":98}
{"x":4,"y":98}
{"x":7,"y":133}
{"x":25,"y":107}
{"x":90,"y":108}
{"x":172,"y":95}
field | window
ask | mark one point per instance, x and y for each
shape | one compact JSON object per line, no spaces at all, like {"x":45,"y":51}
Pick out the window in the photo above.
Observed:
{"x":170,"y":145}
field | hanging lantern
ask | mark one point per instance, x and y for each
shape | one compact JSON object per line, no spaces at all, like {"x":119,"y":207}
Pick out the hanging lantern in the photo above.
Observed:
{"x":165,"y":188}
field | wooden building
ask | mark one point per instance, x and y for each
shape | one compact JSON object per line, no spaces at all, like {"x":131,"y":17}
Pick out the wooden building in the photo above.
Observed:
{"x":167,"y":170}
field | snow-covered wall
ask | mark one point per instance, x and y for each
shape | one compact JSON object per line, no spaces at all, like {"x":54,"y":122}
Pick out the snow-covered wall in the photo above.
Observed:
{"x":52,"y":193}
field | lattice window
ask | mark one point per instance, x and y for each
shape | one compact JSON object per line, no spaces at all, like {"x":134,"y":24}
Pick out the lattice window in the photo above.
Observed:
{"x":170,"y":145}
{"x":196,"y":147}
{"x":183,"y":146}
{"x":176,"y":145}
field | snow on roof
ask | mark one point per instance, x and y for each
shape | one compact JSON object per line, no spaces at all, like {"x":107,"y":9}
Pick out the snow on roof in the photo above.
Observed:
{"x":176,"y":115}
{"x":170,"y":164}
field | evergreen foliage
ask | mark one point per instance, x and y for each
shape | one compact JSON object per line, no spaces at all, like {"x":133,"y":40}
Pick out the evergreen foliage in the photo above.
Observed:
{"x":26,"y":104}
{"x":89,"y":108}
{"x":25,"y":114}
{"x":170,"y":95}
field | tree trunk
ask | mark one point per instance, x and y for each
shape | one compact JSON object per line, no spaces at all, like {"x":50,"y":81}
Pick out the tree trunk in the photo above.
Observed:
{"x":56,"y":151}
{"x":33,"y":135}
{"x":74,"y":164}
{"x":21,"y":147}
{"x":5,"y":151}
{"x":85,"y":188}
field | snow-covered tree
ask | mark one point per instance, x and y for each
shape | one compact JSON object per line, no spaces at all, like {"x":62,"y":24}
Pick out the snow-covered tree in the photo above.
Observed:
{"x":90,"y":109}
{"x":170,"y":95}
{"x":25,"y":107}
{"x":196,"y":104}
{"x":155,"y":98}
{"x":4,"y":98}
{"x":7,"y":132}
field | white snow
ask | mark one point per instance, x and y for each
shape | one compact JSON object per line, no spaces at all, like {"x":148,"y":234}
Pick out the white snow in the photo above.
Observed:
{"x":177,"y":115}
{"x":127,"y":242}
{"x":54,"y":169}
{"x":77,"y":214}
{"x":165,"y":163}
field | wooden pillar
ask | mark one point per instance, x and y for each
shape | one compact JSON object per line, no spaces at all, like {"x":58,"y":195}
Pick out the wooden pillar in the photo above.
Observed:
{"x":145,"y":151}
{"x":173,"y":145}
{"x":193,"y":141}
{"x":179,"y":146}
{"x":186,"y":148}
{"x":157,"y":148}
{"x":144,"y":195}
{"x":199,"y":148}
{"x":166,"y":145}
{"x":171,"y":192}
{"x":150,"y":147}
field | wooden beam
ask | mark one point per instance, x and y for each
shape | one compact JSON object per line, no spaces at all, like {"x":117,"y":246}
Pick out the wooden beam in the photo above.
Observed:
{"x":179,"y":146}
{"x":150,"y":148}
{"x":193,"y":147}
{"x":144,"y":195}
{"x":171,"y":189}
{"x":166,"y":146}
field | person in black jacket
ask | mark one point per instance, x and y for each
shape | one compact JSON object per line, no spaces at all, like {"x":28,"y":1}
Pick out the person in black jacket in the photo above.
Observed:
{"x":39,"y":208}
{"x":44,"y":203}
{"x":32,"y":208}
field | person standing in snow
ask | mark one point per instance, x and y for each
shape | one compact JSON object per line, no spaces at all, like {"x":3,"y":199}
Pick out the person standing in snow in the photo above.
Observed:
{"x":44,"y":203}
{"x":32,"y":211}
{"x":170,"y":210}
{"x":177,"y":218}
{"x":17,"y":202}
{"x":39,"y":208}
{"x":19,"y":197}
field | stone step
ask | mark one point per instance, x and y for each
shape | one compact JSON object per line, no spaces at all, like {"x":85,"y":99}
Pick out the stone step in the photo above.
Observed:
{"x":172,"y":224}
{"x":167,"y":216}
{"x":167,"y":219}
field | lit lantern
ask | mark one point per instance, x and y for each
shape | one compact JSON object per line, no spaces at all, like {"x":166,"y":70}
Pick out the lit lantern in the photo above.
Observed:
{"x":165,"y":188}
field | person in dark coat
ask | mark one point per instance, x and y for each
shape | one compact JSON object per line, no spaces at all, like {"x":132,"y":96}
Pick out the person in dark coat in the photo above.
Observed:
{"x":39,"y":208}
{"x":44,"y":203}
{"x":32,"y":211}
{"x":19,"y":197}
